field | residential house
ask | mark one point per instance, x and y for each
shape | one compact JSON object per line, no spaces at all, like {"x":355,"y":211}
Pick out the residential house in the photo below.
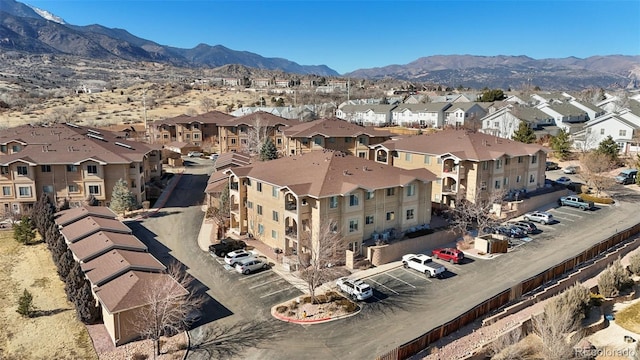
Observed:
{"x":283,"y":201}
{"x":67,"y":161}
{"x":464,"y":114}
{"x":567,"y":117}
{"x":592,"y":110}
{"x":283,"y":83}
{"x":505,"y":121}
{"x":218,"y":180}
{"x":423,"y":115}
{"x":548,"y":98}
{"x":622,"y":126}
{"x":367,"y":114}
{"x":230,"y":81}
{"x":199,"y":130}
{"x":240,"y":134}
{"x":261,"y":82}
{"x":468,"y":165}
{"x":332,"y":134}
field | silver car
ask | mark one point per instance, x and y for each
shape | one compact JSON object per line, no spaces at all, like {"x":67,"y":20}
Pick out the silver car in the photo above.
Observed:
{"x":249,"y":265}
{"x":541,"y":217}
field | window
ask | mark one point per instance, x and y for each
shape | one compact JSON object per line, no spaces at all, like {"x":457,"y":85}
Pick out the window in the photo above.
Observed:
{"x":259,"y":209}
{"x":602,"y":131}
{"x":71,"y":168}
{"x":333,"y":202}
{"x":362,"y":141}
{"x":260,"y":229}
{"x":439,"y":161}
{"x":353,"y":225}
{"x":427,"y":159}
{"x":274,"y":192}
{"x":369,"y":195}
{"x":353,"y":200}
{"x":45,"y":168}
{"x":368,"y":220}
{"x":233,"y":141}
{"x":47,"y":189}
{"x":498,"y":164}
{"x":622,"y":133}
{"x":73,"y":188}
{"x":6,"y":191}
{"x":94,"y":189}
{"x":497,"y":184}
{"x":259,"y":186}
{"x":518,"y":179}
{"x":519,"y":159}
{"x":4,"y":170}
{"x":347,"y":140}
{"x":411,"y":190}
{"x":243,"y":141}
{"x":274,"y":234}
{"x":362,"y":154}
{"x":410,"y":214}
{"x":496,"y":124}
{"x":22,"y":170}
{"x":16,"y":148}
{"x":534,"y":159}
{"x":485,"y":165}
{"x":532,"y":178}
{"x":332,"y":140}
{"x":279,"y":141}
{"x":507,"y":161}
{"x":483,"y":185}
{"x":196,"y":136}
{"x":317,"y":141}
{"x":92,"y":169}
{"x":391,"y":216}
{"x":249,"y":204}
{"x":274,"y":216}
{"x":505,"y":182}
{"x":24,"y":191}
{"x":3,"y":148}
{"x":407,"y":157}
{"x":391,"y":191}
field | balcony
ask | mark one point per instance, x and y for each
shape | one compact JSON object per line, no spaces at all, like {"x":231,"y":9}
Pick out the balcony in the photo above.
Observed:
{"x":291,"y":234}
{"x":235,"y":208}
{"x":449,"y":189}
{"x":234,"y":186}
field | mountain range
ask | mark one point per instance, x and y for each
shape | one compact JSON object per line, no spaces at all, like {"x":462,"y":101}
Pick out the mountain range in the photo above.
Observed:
{"x":35,"y":31}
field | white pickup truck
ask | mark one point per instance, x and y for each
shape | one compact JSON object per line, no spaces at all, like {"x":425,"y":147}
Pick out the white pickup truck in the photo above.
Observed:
{"x":423,"y":264}
{"x":356,"y":289}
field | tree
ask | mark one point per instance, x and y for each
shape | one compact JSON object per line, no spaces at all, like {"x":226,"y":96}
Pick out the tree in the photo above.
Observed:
{"x":613,"y":279}
{"x":561,"y":145}
{"x":87,"y":309}
{"x":169,"y":302}
{"x":524,"y":134}
{"x":25,"y":304}
{"x":256,"y":136}
{"x":476,"y":212}
{"x":268,"y":150}
{"x":594,"y":170}
{"x":492,"y":95}
{"x":24,"y":232}
{"x":207,"y":104}
{"x":121,"y":197}
{"x":319,"y":253}
{"x":609,"y":148}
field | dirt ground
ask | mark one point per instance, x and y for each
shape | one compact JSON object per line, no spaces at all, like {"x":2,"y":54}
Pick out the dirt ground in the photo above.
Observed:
{"x":54,"y":333}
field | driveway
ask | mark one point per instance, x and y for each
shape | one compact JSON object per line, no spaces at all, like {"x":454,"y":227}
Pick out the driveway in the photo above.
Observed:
{"x":407,"y":305}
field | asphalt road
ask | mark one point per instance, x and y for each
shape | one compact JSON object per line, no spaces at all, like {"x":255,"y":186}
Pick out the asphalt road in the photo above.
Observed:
{"x":406,"y":305}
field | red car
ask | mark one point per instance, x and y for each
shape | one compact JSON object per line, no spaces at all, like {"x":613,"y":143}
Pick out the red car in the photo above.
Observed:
{"x":451,"y":255}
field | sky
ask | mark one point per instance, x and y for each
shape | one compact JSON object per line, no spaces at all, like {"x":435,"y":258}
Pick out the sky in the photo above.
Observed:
{"x":357,"y":34}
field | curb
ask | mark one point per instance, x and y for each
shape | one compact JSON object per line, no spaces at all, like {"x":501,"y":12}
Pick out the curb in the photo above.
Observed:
{"x":168,"y":191}
{"x":312,"y":321}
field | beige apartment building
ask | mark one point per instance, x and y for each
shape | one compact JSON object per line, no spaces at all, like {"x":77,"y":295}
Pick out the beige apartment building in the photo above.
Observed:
{"x":332,"y":134}
{"x":237,"y":134}
{"x":467,"y":164}
{"x":200,"y":130}
{"x":67,"y":161}
{"x":279,"y":201}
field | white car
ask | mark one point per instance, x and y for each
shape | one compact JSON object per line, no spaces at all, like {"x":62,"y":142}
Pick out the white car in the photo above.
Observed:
{"x":248,"y":265}
{"x":213,"y":156}
{"x":539,"y":216}
{"x":563,"y":180}
{"x":236,"y":256}
{"x":194,"y":154}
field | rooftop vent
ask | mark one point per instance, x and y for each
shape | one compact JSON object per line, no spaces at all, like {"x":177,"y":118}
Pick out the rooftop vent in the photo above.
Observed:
{"x":94,"y":136}
{"x":94,"y":132}
{"x":124,"y":145}
{"x":72,"y":125}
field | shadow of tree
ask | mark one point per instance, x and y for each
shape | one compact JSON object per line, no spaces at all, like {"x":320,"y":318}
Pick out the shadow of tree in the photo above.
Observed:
{"x":227,"y":342}
{"x":40,"y":313}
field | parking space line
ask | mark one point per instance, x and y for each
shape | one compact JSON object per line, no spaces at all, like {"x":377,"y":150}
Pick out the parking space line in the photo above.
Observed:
{"x":275,"y":292}
{"x":254,"y":275}
{"x":569,"y":214}
{"x":402,"y":281}
{"x":265,"y":283}
{"x":412,"y":272}
{"x":563,"y":218}
{"x":393,"y":291}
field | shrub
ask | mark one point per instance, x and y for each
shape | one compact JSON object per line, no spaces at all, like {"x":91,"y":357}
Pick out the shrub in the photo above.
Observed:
{"x":322,"y":299}
{"x":281,"y":309}
{"x":614,"y":279}
{"x":607,"y":284}
{"x":306,"y":300}
{"x":596,"y":299}
{"x":596,"y":199}
{"x":139,"y":356}
{"x":293,"y":305}
{"x":182,"y":346}
{"x":634,"y":263}
{"x":25,"y":304}
{"x":291,"y":313}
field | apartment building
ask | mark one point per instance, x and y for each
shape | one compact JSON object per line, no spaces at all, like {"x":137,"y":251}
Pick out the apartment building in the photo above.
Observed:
{"x":237,"y":134}
{"x":67,"y":161}
{"x":467,"y":164}
{"x":332,"y":134}
{"x":197,"y":130}
{"x":283,"y":201}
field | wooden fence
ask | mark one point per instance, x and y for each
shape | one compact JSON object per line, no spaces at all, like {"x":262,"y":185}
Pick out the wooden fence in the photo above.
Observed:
{"x":416,"y":345}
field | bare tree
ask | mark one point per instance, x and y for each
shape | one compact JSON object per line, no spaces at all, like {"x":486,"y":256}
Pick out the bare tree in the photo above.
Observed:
{"x":595,"y":168}
{"x":169,"y":303}
{"x":506,"y":346}
{"x":256,"y":136}
{"x":207,"y":104}
{"x":477,"y":212}
{"x":321,"y":252}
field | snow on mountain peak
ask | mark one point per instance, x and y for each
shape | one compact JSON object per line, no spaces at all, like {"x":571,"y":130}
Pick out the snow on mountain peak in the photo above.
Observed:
{"x":47,"y":15}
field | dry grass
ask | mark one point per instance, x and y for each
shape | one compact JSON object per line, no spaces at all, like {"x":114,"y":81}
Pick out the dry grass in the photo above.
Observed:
{"x":56,"y":336}
{"x":629,"y":318}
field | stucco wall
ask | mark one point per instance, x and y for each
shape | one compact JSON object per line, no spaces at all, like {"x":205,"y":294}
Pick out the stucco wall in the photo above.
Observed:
{"x":383,"y":254}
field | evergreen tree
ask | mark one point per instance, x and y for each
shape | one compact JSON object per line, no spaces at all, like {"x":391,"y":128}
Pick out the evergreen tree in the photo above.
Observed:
{"x":224,"y":202}
{"x":24,"y":232}
{"x":268,"y":150}
{"x":492,"y":95}
{"x":85,"y":303}
{"x":74,"y":281}
{"x":65,"y":263}
{"x":524,"y":134}
{"x":609,"y":148}
{"x":25,"y":304}
{"x":42,"y":213}
{"x":561,"y":145}
{"x":121,"y":197}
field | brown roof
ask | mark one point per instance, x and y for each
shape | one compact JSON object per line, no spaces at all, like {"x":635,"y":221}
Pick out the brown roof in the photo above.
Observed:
{"x":71,"y":144}
{"x":65,"y":217}
{"x":230,"y":159}
{"x":212,"y":117}
{"x":265,"y":118}
{"x":217,"y":181}
{"x":332,"y":128}
{"x":116,"y":262}
{"x":132,"y":289}
{"x":90,"y":225}
{"x":103,"y":241}
{"x":328,"y":173}
{"x":465,"y":145}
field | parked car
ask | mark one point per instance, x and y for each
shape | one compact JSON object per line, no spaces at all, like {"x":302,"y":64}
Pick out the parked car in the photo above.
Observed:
{"x":226,"y":246}
{"x":571,"y":169}
{"x":356,"y":289}
{"x":423,"y":264}
{"x":248,"y":265}
{"x":236,"y":256}
{"x":451,"y":255}
{"x":528,"y":226}
{"x":194,"y":154}
{"x":511,"y":231}
{"x":541,"y":217}
{"x":550,"y":165}
{"x":213,"y":156}
{"x":577,"y":202}
{"x":627,"y":177}
{"x":564,"y":180}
